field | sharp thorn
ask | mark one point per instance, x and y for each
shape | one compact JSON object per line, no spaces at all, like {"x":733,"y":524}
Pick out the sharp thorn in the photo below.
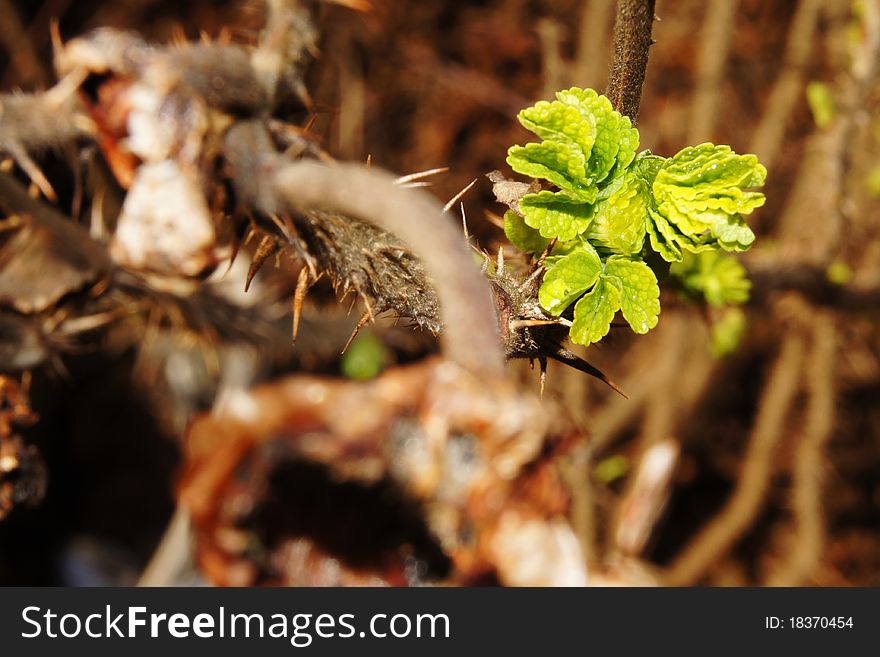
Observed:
{"x":543,"y":363}
{"x":303,"y":282}
{"x":268,"y":246}
{"x":563,"y":355}
{"x":455,"y":198}
{"x":418,"y":175}
{"x":365,"y":319}
{"x":464,"y":223}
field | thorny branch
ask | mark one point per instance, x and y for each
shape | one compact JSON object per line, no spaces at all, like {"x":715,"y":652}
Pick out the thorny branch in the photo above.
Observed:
{"x":470,"y":328}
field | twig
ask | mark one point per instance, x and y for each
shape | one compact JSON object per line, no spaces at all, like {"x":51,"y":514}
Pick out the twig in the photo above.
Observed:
{"x":550,"y":34}
{"x":22,"y":55}
{"x":632,"y":39}
{"x":592,"y":42}
{"x":714,"y":540}
{"x":786,"y":93}
{"x":646,"y":497}
{"x":712,"y":57}
{"x":470,"y":333}
{"x":808,"y":539}
{"x":172,"y":554}
{"x":769,"y":277}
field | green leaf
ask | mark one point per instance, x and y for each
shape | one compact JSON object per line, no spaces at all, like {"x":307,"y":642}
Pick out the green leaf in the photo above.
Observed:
{"x":608,"y":129}
{"x":629,"y":144}
{"x":662,"y":237}
{"x":556,"y":214}
{"x":562,"y":163}
{"x":365,"y":357}
{"x":619,"y":222}
{"x":570,"y":277}
{"x":727,"y":332}
{"x":699,"y":198}
{"x":522,"y":236}
{"x":821,"y":102}
{"x":557,"y":121}
{"x":717,"y":277}
{"x":708,"y":163}
{"x":639,"y":292}
{"x":594,"y":312}
{"x":648,"y":165}
{"x":733,"y":233}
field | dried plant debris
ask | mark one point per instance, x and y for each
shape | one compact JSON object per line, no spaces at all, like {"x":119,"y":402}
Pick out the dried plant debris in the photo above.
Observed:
{"x":32,"y":123}
{"x":447,"y":480}
{"x":43,"y":258}
{"x":22,"y":471}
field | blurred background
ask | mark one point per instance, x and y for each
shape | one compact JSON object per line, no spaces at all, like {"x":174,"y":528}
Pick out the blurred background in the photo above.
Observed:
{"x":754,"y":462}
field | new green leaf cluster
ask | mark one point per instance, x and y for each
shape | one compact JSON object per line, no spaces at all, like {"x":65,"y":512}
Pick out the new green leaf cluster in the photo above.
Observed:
{"x":603,"y":287}
{"x":699,"y":198}
{"x":586,"y":146}
{"x":608,"y":199}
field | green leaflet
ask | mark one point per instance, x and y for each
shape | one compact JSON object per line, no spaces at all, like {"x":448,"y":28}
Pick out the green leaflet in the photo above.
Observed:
{"x":619,"y":223}
{"x":709,"y":163}
{"x":628,"y":285}
{"x":568,"y":278}
{"x":648,"y":165}
{"x":733,"y":233}
{"x":663,"y":237}
{"x":556,"y":214}
{"x":594,"y":312}
{"x":523,"y":237}
{"x":629,"y":145}
{"x":639,"y":293}
{"x":719,"y":278}
{"x":727,"y":332}
{"x":365,"y":357}
{"x":608,"y":127}
{"x":558,"y":121}
{"x":562,"y":163}
{"x":699,"y":198}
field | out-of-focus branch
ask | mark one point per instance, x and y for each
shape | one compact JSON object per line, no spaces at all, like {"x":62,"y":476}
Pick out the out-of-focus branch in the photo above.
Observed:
{"x":716,"y":539}
{"x":786,"y":93}
{"x":22,"y":55}
{"x":172,"y":554}
{"x":273,"y":184}
{"x":632,"y":39}
{"x":714,"y":48}
{"x":808,"y":539}
{"x":769,"y":277}
{"x":646,"y":497}
{"x":592,"y":41}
